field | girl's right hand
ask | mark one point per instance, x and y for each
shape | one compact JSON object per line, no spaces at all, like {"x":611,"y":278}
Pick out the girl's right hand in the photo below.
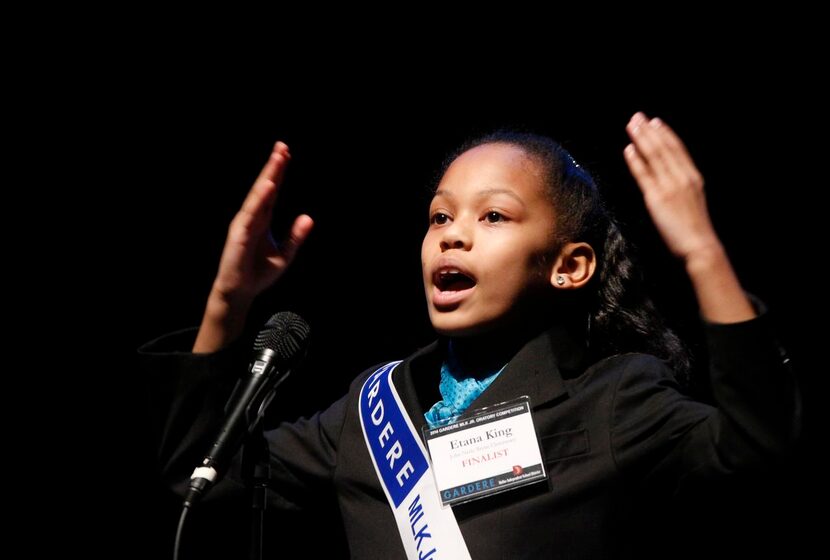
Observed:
{"x":251,"y":259}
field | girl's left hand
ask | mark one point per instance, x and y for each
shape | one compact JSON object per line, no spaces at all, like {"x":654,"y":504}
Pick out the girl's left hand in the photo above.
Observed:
{"x":671,"y":185}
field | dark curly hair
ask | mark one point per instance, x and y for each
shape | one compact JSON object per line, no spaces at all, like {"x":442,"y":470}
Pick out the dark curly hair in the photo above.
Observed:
{"x":621,"y":316}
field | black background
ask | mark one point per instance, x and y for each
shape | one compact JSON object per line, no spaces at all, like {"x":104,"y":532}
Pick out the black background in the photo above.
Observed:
{"x":366,"y":144}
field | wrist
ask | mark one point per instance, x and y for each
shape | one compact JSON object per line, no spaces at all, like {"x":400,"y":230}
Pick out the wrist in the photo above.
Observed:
{"x":224,"y":294}
{"x":222,"y":323}
{"x":224,"y":310}
{"x":719,"y":293}
{"x":706,"y":259}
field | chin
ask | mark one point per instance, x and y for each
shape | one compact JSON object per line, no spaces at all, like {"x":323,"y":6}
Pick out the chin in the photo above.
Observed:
{"x":457,"y":326}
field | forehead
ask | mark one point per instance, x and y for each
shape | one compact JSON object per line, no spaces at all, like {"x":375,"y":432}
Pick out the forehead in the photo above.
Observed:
{"x":502,"y":166}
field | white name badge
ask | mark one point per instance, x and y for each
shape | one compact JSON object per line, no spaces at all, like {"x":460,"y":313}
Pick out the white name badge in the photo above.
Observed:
{"x":494,"y":450}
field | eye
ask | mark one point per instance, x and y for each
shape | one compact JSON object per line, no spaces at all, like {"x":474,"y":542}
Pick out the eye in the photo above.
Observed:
{"x":439,"y":218}
{"x":494,"y":217}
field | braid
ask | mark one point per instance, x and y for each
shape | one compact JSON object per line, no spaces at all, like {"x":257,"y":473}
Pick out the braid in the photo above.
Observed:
{"x":625,"y":319}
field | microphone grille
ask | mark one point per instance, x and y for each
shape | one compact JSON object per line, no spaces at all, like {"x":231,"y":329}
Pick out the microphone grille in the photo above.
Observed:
{"x":285,"y":333}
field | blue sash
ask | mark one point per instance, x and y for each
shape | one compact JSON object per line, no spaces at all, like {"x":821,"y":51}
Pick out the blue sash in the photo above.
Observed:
{"x":427,"y":529}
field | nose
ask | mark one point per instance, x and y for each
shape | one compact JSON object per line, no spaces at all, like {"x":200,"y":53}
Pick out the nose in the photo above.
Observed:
{"x":455,"y":236}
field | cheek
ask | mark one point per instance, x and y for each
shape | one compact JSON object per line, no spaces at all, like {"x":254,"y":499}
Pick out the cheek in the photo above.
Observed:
{"x":516,"y":276}
{"x":510,"y":257}
{"x":425,"y":255}
{"x":540,"y":265}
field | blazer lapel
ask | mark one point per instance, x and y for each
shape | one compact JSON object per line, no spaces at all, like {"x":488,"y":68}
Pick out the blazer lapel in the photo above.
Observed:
{"x":417,"y":379}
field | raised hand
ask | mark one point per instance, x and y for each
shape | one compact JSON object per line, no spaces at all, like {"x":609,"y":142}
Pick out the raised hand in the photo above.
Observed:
{"x":673,"y":191}
{"x":671,"y":185}
{"x":251,"y":260}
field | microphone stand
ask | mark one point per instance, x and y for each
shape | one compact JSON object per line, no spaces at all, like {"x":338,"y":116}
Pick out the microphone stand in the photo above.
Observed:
{"x":256,"y":472}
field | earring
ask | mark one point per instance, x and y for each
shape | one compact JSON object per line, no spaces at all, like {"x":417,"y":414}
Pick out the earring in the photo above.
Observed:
{"x":560,"y":280}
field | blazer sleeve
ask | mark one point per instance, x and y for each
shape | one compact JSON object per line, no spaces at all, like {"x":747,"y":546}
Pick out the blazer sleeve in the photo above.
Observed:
{"x":668,"y":441}
{"x":188,"y":393}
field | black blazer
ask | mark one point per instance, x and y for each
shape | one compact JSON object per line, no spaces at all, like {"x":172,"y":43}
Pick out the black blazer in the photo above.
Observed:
{"x":617,"y":437}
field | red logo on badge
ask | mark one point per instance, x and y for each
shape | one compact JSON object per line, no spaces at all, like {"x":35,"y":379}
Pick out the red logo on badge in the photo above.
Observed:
{"x":517,"y":470}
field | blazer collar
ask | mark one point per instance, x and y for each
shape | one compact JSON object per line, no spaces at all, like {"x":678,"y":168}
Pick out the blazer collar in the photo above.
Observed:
{"x":538,"y":370}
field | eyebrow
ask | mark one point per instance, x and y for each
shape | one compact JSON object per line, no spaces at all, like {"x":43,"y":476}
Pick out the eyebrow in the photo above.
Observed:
{"x":484,"y":193}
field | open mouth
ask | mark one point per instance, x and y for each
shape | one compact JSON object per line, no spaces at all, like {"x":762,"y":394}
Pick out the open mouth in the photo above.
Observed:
{"x":452,"y":280}
{"x":452,"y":283}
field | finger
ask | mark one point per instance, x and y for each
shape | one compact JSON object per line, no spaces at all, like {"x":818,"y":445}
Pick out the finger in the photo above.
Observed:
{"x":299,"y":233}
{"x":641,"y":172}
{"x":670,"y":137}
{"x":272,"y":171}
{"x":677,"y":156}
{"x":649,"y":144}
{"x":263,"y":193}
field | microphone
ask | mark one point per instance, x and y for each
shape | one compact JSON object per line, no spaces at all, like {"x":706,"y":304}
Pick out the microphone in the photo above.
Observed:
{"x":279,"y":346}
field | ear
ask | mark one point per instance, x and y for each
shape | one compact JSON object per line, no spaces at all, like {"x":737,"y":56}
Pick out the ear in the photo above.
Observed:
{"x":574,"y":266}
